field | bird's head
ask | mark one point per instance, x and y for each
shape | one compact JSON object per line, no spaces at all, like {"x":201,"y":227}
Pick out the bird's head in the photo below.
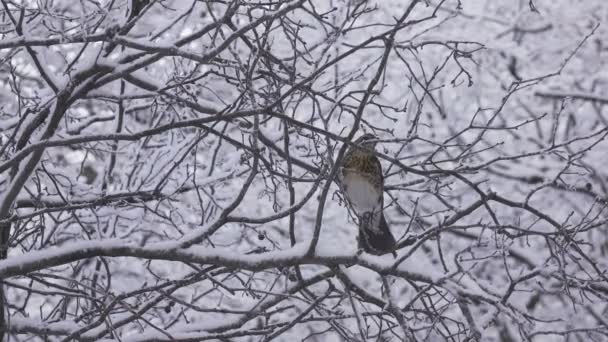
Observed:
{"x":367,"y":140}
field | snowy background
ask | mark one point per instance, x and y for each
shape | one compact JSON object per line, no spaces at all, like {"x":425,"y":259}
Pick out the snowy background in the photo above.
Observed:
{"x":165,"y":170}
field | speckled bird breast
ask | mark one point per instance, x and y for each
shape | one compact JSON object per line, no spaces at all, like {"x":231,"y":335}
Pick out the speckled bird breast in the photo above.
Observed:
{"x":362,"y":182}
{"x":364,"y":163}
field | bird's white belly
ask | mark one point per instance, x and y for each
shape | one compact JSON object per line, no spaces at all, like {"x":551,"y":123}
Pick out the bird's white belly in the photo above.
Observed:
{"x":362,"y":195}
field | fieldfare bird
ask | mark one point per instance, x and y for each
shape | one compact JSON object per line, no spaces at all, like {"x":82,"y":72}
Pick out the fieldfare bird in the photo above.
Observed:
{"x":363,"y":187}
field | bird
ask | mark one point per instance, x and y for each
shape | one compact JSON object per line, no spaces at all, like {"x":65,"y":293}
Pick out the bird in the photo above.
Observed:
{"x":363,"y":187}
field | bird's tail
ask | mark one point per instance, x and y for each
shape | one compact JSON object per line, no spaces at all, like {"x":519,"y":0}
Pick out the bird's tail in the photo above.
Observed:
{"x":375,"y":237}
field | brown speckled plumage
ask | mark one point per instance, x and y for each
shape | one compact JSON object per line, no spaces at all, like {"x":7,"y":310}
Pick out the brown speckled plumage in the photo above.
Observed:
{"x":363,"y":185}
{"x":364,"y":163}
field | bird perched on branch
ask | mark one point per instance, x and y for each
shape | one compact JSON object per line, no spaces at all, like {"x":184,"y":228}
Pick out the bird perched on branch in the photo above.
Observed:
{"x":363,"y":187}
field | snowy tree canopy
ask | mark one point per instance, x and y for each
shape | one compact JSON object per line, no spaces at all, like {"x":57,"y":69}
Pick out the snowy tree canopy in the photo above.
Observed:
{"x":169,"y":170}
